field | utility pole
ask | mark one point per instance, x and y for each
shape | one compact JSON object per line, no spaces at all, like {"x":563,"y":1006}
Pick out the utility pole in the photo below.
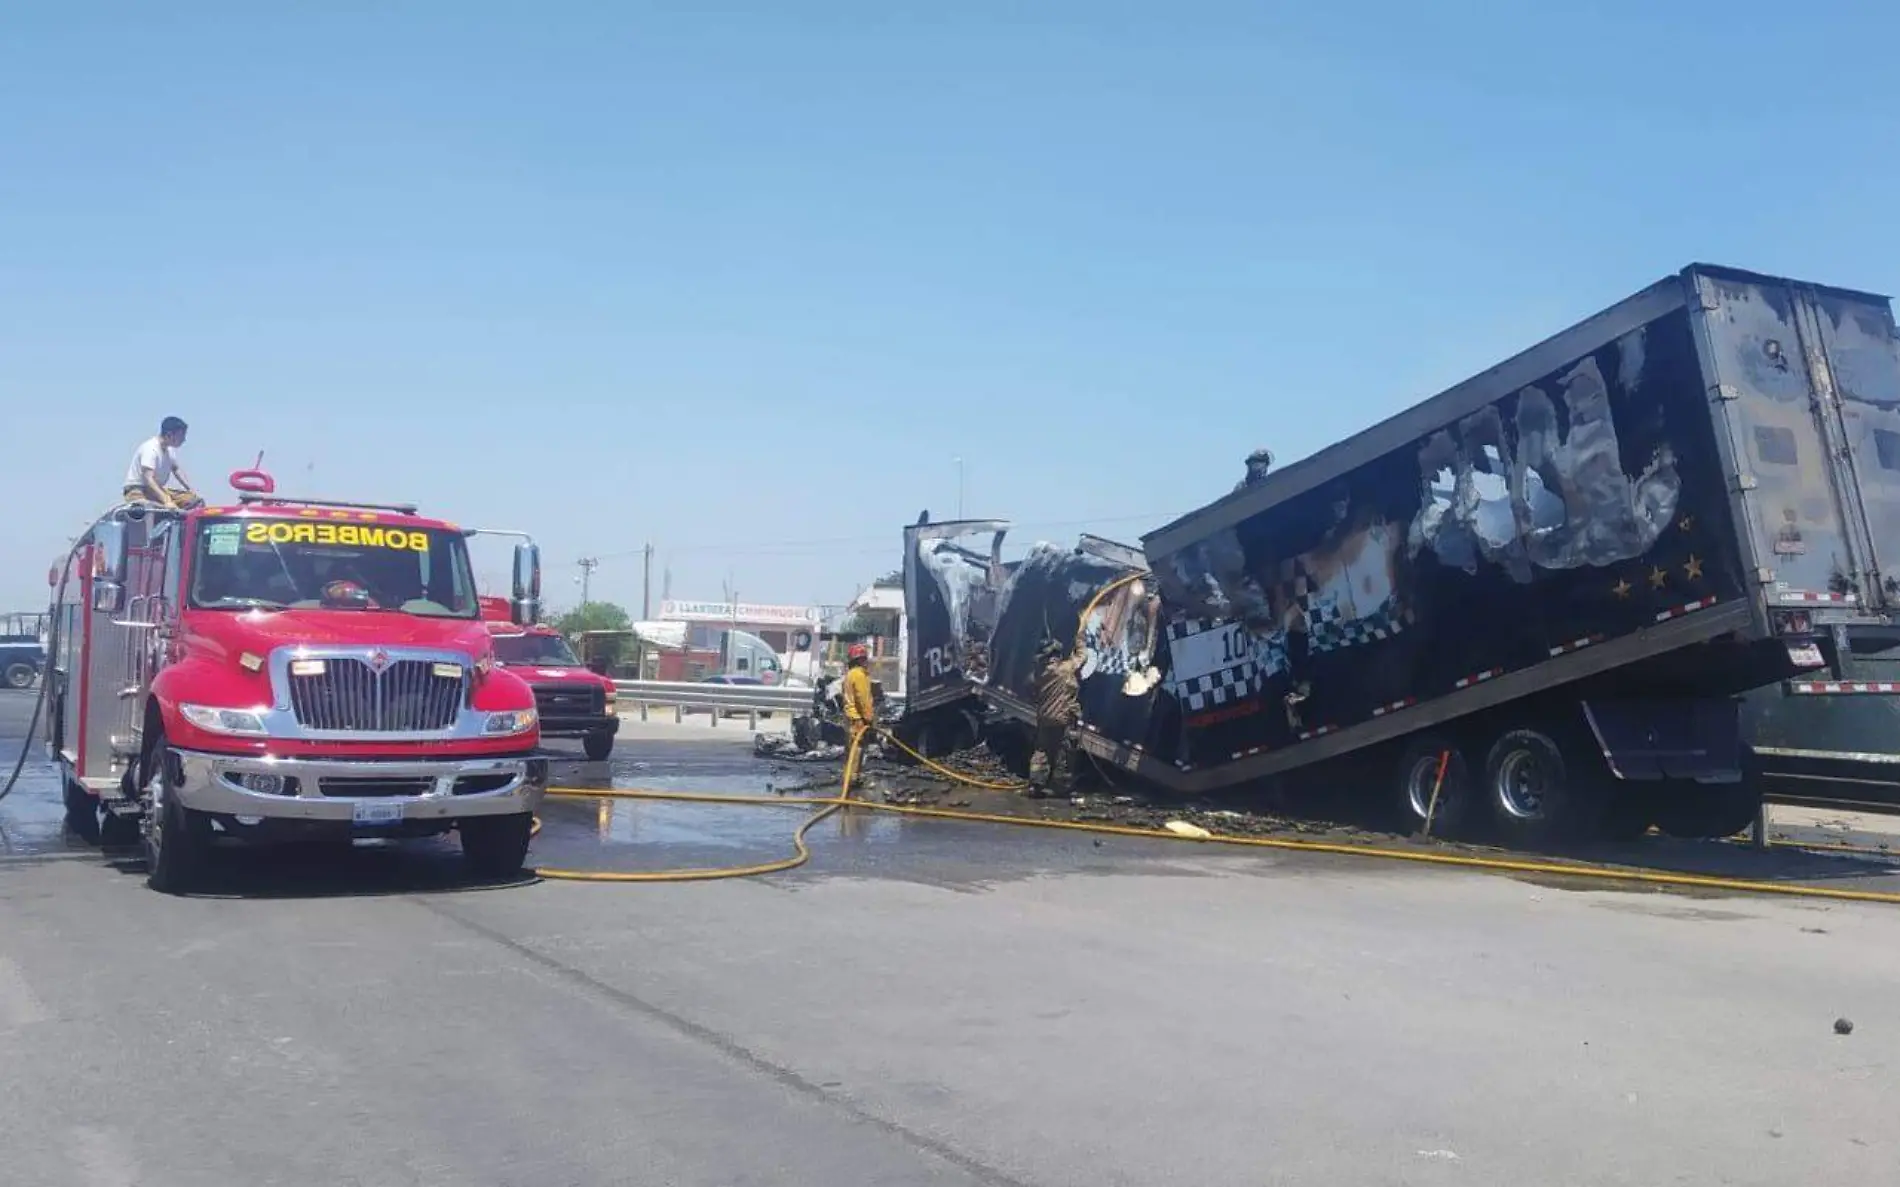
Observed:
{"x":646,"y":604}
{"x":588,"y":564}
{"x":959,"y":488}
{"x":646,"y":583}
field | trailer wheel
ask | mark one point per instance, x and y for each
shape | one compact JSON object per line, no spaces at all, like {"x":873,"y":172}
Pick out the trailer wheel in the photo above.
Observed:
{"x":176,"y":838}
{"x":1417,"y":775}
{"x":1706,"y":811}
{"x":1536,"y":797}
{"x":597,"y":746}
{"x":20,"y":675}
{"x":496,"y":846}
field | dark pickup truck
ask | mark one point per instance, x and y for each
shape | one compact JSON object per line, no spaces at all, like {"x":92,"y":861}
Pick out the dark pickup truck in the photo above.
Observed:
{"x":22,"y":649}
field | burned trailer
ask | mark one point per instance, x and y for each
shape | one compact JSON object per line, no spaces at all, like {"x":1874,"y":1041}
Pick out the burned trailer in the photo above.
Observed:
{"x":1540,"y":595}
{"x":1094,"y":600}
{"x":952,"y":592}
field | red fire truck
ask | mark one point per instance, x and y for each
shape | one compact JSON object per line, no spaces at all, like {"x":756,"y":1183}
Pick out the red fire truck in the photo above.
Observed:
{"x":287,"y":668}
{"x":573,"y":701}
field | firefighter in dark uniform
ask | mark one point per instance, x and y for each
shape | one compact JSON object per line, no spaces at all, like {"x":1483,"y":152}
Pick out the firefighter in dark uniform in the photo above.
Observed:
{"x":1259,"y":462}
{"x":1058,"y":708}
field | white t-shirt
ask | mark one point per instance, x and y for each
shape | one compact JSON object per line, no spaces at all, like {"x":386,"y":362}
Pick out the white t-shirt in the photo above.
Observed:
{"x":152,"y":455}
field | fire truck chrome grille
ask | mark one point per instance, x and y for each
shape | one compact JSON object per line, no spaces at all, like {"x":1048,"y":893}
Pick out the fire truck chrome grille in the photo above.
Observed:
{"x":349,"y":696}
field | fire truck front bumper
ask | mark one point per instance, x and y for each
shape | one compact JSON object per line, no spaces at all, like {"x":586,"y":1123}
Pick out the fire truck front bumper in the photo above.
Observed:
{"x":365,"y":793}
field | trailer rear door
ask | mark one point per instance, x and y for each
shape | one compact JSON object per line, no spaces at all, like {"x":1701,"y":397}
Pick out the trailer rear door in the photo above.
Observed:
{"x":1860,"y":357}
{"x":1798,"y":446}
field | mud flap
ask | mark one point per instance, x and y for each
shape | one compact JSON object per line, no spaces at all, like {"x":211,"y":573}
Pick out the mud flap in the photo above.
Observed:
{"x":1698,"y":740}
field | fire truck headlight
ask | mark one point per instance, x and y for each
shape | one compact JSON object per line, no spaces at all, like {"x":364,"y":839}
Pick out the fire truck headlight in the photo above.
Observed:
{"x":518,"y":721}
{"x":225,"y":721}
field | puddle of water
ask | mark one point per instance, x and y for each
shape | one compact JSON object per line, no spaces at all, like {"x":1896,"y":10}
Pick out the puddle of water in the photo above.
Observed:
{"x":33,"y":816}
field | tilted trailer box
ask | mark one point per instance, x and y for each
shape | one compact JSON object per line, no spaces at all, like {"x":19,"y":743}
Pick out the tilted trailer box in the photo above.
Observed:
{"x":1538,"y":596}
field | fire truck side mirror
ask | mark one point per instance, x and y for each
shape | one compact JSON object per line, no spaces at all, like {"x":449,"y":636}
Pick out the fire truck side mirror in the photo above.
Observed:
{"x":526,"y":606}
{"x":108,"y":538}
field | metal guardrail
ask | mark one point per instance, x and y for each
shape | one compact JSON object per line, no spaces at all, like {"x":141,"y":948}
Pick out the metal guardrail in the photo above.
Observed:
{"x":685,"y":696}
{"x":692,"y":695}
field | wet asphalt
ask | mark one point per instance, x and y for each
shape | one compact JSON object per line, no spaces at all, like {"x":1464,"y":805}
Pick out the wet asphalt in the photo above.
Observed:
{"x":925,"y":1002}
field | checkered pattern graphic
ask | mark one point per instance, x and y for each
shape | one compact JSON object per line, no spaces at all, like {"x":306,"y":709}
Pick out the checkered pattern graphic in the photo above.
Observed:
{"x":1329,"y":630}
{"x":1331,"y":618}
{"x":1226,"y":686}
{"x":1100,"y":657}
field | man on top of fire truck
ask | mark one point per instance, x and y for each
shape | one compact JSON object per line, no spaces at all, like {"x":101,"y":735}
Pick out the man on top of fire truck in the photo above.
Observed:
{"x":154,"y":466}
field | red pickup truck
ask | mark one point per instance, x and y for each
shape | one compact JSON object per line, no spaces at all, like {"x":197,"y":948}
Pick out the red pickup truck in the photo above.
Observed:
{"x":573,"y":702}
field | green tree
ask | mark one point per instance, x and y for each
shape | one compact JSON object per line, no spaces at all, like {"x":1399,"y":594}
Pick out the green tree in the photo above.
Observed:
{"x":597,"y":616}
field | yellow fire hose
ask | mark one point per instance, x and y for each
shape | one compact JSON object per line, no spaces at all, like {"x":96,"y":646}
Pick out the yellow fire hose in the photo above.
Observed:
{"x":831,"y":804}
{"x":801,"y":852}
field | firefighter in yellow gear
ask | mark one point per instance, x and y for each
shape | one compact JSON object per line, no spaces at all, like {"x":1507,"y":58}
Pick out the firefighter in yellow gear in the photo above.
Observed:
{"x":860,"y":709}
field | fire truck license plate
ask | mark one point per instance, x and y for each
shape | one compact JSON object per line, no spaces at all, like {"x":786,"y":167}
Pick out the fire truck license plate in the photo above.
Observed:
{"x":370,"y":812}
{"x":1805,"y":655}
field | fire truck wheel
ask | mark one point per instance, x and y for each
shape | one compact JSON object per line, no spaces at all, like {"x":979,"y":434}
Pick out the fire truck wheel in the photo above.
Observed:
{"x":496,"y":846}
{"x":175,"y":838}
{"x":175,"y":849}
{"x":20,"y":675}
{"x":598,"y":746}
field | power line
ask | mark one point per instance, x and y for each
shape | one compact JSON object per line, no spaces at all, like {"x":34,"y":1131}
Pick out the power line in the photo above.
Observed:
{"x":879,"y":543}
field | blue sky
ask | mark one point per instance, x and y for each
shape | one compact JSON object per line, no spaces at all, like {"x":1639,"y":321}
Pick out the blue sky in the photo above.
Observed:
{"x":744,"y":279}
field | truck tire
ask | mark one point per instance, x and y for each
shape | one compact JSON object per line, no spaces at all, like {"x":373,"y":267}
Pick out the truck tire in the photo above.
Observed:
{"x":1538,"y":797}
{"x":496,"y":846}
{"x":1705,"y":811}
{"x":20,"y":674}
{"x":1417,"y":773}
{"x":175,"y":838}
{"x":597,"y":746}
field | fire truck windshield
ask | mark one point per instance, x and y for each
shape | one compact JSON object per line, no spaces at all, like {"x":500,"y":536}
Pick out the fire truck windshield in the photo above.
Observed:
{"x":549,"y":651}
{"x":299,"y":564}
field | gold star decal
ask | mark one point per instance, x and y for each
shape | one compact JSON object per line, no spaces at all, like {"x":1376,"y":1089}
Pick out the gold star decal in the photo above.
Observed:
{"x":1622,"y":588}
{"x":1686,"y":523}
{"x":1657,"y":578}
{"x":1693,"y":570}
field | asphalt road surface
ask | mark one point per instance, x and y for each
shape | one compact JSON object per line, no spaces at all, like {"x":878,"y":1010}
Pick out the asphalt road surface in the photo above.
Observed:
{"x":925,"y":1003}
